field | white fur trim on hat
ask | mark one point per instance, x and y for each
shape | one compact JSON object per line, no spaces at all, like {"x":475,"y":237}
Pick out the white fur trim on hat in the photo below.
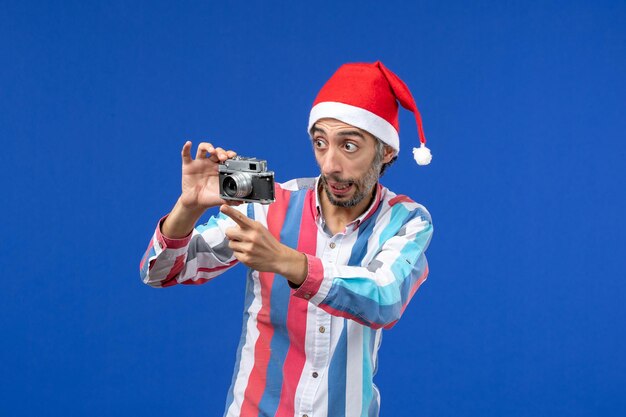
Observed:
{"x":358,"y":117}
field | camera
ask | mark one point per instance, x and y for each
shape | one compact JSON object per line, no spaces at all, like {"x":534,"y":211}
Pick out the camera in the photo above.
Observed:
{"x":246,"y":179}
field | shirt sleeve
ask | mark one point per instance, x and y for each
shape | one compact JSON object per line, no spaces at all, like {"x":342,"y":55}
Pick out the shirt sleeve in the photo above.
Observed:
{"x":375,"y":294}
{"x":194,"y":259}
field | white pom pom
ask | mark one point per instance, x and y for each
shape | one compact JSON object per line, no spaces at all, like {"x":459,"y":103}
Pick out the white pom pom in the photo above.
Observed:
{"x":422,"y":155}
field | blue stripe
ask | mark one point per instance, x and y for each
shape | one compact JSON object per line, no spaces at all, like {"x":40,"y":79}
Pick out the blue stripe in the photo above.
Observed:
{"x":246,"y":316}
{"x":279,"y":299}
{"x":291,"y":227}
{"x":370,"y":394}
{"x":374,"y":409}
{"x":397,"y":218}
{"x":146,"y":262}
{"x":374,"y":347}
{"x":337,"y":376}
{"x":213,"y":221}
{"x":359,"y":249}
{"x":368,"y":337}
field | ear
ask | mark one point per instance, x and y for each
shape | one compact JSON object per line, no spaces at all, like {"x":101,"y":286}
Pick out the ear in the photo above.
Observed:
{"x":388,"y":154}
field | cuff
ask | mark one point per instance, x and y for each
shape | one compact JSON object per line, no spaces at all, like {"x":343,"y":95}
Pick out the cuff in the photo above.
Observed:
{"x":311,"y":284}
{"x":166,"y":242}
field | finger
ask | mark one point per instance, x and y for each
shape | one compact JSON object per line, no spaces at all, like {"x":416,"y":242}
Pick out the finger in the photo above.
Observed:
{"x":234,"y":234}
{"x":237,"y":216}
{"x":231,"y":154}
{"x":221,"y":154}
{"x":203,"y":149}
{"x":240,"y":250}
{"x":186,"y":152}
{"x":240,"y":256}
{"x":236,"y":246}
{"x":212,"y":153}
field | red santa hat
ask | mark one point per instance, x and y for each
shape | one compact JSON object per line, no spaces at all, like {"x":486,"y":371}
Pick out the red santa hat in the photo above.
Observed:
{"x":366,"y":96}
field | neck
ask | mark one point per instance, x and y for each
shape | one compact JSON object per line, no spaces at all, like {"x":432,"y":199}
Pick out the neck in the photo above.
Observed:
{"x":337,"y":217}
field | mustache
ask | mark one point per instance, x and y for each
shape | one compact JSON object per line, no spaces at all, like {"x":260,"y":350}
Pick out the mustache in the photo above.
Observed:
{"x":337,"y":179}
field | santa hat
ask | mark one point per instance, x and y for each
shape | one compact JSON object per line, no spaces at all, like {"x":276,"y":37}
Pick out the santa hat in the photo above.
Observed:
{"x":366,"y":96}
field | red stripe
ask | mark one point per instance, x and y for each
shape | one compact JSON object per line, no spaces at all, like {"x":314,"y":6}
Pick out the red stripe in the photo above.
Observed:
{"x":258,"y":375}
{"x":170,"y":279}
{"x":296,"y":317}
{"x":169,"y":283}
{"x":218,"y":268}
{"x":400,"y":199}
{"x":197,"y":281}
{"x":178,"y":266}
{"x":374,"y":207}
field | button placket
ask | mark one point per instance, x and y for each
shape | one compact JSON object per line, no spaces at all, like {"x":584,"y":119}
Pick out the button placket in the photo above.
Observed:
{"x":328,"y":251}
{"x":319,"y":361}
{"x":332,"y":250}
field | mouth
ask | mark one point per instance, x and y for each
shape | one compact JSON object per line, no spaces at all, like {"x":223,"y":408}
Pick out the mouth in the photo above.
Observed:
{"x":340,"y":188}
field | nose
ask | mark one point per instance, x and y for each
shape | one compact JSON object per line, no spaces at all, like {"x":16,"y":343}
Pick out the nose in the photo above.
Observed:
{"x":331,"y":162}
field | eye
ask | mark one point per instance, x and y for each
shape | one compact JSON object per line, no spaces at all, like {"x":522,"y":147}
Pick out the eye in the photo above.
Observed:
{"x":319,"y":143}
{"x":350,"y":147}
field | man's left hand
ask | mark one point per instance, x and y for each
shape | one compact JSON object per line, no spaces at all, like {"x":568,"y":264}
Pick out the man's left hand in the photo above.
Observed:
{"x":254,"y":246}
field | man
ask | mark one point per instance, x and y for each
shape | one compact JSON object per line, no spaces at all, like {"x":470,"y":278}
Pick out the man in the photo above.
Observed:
{"x":331,"y":262}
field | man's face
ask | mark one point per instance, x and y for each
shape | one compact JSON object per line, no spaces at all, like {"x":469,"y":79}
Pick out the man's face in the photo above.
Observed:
{"x":349,"y":161}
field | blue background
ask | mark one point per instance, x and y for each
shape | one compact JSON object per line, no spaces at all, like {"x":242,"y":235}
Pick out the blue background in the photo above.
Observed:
{"x":523,"y":105}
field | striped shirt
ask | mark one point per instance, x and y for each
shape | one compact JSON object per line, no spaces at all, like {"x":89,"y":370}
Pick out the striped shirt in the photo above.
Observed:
{"x":309,"y":351}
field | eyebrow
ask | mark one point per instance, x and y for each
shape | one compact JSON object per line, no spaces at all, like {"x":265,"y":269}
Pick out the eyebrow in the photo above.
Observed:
{"x":316,"y":129}
{"x":351,"y":133}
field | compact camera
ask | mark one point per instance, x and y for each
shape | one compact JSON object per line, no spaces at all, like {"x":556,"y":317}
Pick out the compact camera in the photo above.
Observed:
{"x":246,"y":179}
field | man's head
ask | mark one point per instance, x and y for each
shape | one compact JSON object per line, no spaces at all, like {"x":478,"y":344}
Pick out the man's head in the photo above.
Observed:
{"x":350,"y":159}
{"x":366,"y":96}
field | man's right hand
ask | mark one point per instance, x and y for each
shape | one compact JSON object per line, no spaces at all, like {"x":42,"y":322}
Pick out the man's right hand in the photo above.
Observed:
{"x":200,"y":189}
{"x":200,"y":184}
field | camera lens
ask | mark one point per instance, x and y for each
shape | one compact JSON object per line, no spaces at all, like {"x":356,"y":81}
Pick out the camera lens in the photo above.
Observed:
{"x":237,"y":185}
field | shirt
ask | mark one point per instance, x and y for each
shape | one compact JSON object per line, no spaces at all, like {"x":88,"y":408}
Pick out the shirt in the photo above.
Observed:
{"x":309,"y":351}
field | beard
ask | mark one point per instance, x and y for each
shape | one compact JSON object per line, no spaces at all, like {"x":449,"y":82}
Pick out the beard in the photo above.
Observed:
{"x":363,"y":186}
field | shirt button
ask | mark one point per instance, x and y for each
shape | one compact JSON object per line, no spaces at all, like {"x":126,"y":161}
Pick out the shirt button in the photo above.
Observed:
{"x":322,"y":329}
{"x":307,"y":296}
{"x":315,"y":374}
{"x":332,"y":245}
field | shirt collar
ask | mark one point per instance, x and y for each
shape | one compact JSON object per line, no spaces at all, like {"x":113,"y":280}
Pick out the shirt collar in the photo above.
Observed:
{"x":319,"y":218}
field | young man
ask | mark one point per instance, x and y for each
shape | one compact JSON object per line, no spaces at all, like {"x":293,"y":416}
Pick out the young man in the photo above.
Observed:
{"x":331,"y":262}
